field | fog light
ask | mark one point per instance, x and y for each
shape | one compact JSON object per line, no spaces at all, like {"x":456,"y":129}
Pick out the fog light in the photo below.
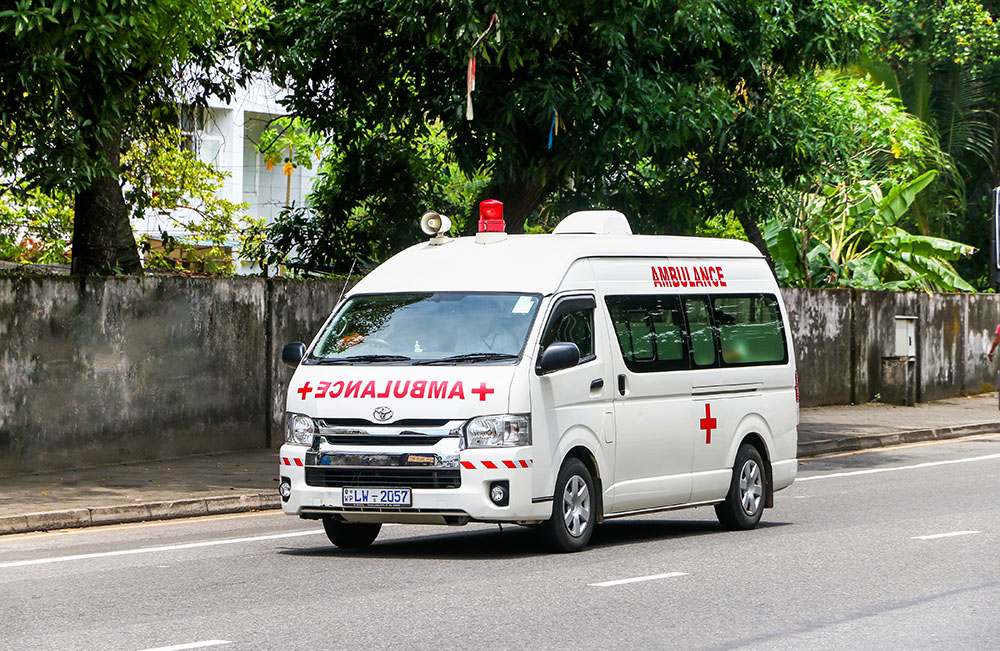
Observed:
{"x":285,"y":489}
{"x":500,"y":493}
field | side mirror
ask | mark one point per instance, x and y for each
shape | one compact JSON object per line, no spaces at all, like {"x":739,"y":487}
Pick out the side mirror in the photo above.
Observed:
{"x":293,"y":353}
{"x":558,"y":355}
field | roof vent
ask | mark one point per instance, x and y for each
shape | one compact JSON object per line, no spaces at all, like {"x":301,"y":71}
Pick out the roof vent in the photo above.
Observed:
{"x":596,"y":222}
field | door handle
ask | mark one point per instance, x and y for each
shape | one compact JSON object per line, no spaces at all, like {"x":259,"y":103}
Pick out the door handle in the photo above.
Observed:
{"x":597,"y":384}
{"x":621,"y":384}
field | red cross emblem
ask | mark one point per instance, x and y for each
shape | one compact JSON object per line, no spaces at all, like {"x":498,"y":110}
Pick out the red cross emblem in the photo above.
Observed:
{"x":304,"y":389}
{"x":482,"y":391}
{"x":708,"y":423}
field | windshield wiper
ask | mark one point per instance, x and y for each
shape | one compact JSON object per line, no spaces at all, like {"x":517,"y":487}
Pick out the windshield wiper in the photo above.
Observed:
{"x":468,"y":357}
{"x":364,"y":359}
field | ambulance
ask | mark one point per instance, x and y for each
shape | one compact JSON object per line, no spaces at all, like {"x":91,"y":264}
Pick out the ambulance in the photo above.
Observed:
{"x":555,"y":381}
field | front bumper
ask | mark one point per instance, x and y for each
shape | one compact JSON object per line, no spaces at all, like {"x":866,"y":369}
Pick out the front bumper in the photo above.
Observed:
{"x":449,"y":485}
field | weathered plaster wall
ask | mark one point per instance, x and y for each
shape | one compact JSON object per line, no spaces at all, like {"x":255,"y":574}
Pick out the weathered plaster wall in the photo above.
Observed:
{"x":981,"y":316}
{"x":841,"y":337}
{"x":820,"y":321}
{"x":111,"y":369}
{"x":296,"y":310}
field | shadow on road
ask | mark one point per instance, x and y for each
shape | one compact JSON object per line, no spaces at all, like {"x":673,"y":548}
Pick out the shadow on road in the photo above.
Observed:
{"x":519,"y":542}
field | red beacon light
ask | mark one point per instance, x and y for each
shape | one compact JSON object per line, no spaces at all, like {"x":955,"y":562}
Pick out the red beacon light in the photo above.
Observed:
{"x":491,"y":225}
{"x":491,"y":216}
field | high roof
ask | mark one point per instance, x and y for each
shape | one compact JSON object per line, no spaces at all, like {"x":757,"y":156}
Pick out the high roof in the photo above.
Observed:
{"x":528,"y":263}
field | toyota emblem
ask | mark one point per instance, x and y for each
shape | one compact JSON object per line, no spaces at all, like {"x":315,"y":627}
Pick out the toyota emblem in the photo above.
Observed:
{"x":382,"y":414}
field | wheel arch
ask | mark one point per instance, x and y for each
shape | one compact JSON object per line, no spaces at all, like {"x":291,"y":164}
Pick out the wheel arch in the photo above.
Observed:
{"x":753,"y":429}
{"x":589,"y":459}
{"x":757,"y":441}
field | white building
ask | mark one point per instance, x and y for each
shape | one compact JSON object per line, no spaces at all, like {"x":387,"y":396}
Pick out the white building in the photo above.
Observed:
{"x":225,"y":135}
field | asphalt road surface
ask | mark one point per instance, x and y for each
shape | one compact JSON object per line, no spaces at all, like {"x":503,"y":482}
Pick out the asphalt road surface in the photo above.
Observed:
{"x":896,"y":548}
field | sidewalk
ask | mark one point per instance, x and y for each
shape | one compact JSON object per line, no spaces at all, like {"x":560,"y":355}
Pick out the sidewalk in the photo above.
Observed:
{"x":231,"y":482}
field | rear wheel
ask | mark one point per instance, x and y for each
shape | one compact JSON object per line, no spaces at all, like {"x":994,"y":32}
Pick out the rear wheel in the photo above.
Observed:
{"x":573,"y":513}
{"x":350,"y":535}
{"x":745,"y":501}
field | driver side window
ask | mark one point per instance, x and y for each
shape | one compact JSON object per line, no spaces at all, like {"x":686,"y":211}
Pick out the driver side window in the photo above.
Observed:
{"x":574,"y":326}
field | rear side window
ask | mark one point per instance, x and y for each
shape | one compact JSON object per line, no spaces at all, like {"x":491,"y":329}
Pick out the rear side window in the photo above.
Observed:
{"x":669,"y":333}
{"x":750,"y":330}
{"x":699,"y":321}
{"x":650,"y":332}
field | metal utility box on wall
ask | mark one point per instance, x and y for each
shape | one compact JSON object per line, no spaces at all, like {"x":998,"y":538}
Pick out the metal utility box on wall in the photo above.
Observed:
{"x":899,"y":371}
{"x":906,"y":336}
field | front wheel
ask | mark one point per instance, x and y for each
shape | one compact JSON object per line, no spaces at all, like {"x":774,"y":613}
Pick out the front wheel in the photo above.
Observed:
{"x":573,"y":509}
{"x":351,"y":535}
{"x":745,"y":501}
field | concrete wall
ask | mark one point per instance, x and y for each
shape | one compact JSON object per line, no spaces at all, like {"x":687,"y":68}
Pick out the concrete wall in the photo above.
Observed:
{"x":821,"y":325}
{"x":296,"y":311}
{"x":99,"y":370}
{"x":841,"y":337}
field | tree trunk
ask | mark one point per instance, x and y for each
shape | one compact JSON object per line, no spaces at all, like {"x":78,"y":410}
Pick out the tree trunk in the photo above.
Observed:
{"x":755,"y":237}
{"x":103,"y":242}
{"x":519,"y":197}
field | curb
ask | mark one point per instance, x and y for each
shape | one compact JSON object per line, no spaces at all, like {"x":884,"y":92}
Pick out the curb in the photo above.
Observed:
{"x":99,"y":515}
{"x":867,"y":441}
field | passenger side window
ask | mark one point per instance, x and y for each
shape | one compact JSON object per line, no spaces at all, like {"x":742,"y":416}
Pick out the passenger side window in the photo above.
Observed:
{"x":574,"y":326}
{"x":650,"y":332}
{"x":699,"y":322}
{"x":750,"y":329}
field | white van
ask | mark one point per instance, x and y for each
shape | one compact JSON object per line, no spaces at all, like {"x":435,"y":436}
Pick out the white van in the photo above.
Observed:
{"x":554,"y":380}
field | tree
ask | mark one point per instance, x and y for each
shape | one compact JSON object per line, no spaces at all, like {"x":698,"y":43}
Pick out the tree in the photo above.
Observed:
{"x":942,"y":59}
{"x":664,"y":102}
{"x":158,"y":177}
{"x":79,"y":76}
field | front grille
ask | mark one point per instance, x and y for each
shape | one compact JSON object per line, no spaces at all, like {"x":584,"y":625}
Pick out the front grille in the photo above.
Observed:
{"x":402,"y":439}
{"x":403,"y":422}
{"x":377,"y":478}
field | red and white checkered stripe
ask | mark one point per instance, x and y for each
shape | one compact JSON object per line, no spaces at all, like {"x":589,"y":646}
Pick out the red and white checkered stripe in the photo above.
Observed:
{"x":497,"y":465}
{"x":293,"y":462}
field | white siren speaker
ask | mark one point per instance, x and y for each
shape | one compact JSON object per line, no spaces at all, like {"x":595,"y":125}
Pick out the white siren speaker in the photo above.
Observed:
{"x":434,"y":224}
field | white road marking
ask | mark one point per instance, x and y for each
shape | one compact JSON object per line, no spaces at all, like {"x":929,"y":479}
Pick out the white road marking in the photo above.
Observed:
{"x":651,"y":577}
{"x":191,"y":645}
{"x":945,"y":535}
{"x":872,"y":471}
{"x":166,"y":548}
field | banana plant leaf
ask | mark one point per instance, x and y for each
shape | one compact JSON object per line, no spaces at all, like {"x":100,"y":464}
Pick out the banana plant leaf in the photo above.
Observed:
{"x":901,"y":197}
{"x":899,"y":241}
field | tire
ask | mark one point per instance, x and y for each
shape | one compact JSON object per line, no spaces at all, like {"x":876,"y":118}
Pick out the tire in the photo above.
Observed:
{"x":574,"y":512}
{"x":747,"y":489}
{"x":350,"y":535}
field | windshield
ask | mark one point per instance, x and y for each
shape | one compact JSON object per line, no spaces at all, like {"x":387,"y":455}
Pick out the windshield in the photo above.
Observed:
{"x":428,"y":328}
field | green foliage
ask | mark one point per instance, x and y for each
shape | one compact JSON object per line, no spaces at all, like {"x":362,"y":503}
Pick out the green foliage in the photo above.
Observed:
{"x":36,"y":228}
{"x":289,"y":140}
{"x":368,"y":200}
{"x":666,"y":109}
{"x":856,"y":241}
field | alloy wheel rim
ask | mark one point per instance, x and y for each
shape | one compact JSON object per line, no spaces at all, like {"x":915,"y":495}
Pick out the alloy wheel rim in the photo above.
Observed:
{"x":751,"y":487}
{"x":576,"y":506}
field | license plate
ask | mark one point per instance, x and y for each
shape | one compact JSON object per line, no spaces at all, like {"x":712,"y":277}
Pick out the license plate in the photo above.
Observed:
{"x":377,"y":497}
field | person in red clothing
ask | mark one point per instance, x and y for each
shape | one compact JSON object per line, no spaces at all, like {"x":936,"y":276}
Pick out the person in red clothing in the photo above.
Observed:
{"x":996,"y":340}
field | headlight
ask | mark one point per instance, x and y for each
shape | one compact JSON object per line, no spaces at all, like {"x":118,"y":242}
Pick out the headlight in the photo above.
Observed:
{"x":299,"y":429}
{"x":497,"y":431}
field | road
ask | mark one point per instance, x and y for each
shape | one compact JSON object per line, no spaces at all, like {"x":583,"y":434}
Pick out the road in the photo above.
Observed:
{"x":896,"y":548}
